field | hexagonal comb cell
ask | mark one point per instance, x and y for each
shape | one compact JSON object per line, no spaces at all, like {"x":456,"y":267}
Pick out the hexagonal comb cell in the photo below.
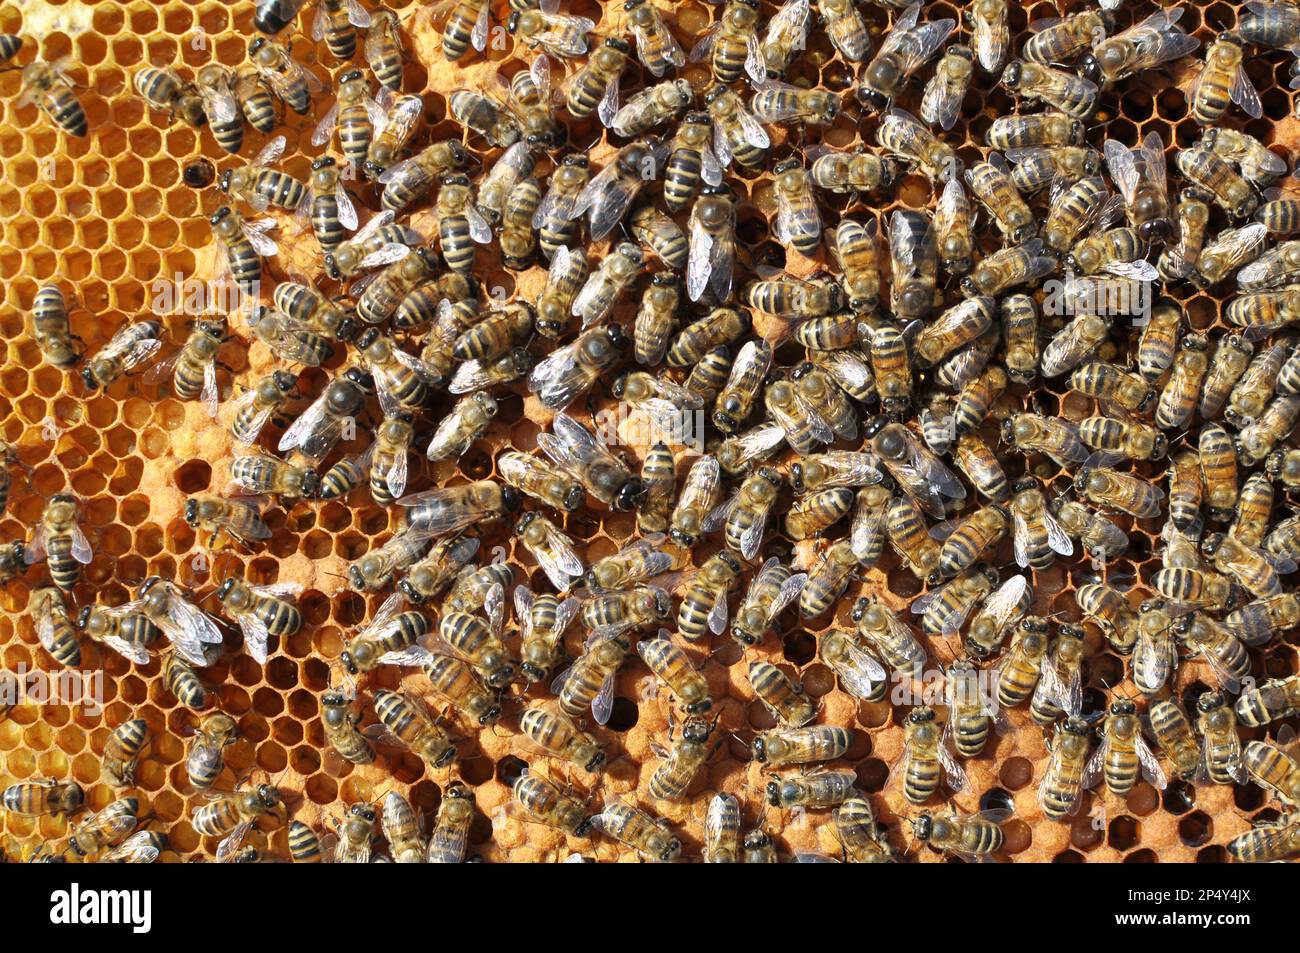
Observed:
{"x":109,"y":222}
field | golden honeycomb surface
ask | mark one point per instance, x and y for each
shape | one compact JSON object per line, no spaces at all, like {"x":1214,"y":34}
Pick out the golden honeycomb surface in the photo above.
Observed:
{"x":108,"y":215}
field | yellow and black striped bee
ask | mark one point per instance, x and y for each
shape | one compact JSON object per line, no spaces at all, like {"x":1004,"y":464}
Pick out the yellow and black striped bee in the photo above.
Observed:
{"x":784,"y":698}
{"x":339,"y":721}
{"x":357,"y":117}
{"x":683,"y":762}
{"x":944,"y":610}
{"x":128,"y":349}
{"x":289,"y":79}
{"x":737,"y":134}
{"x":990,"y":181}
{"x":704,"y":605}
{"x":594,"y":88}
{"x":910,"y":537}
{"x":691,"y":160}
{"x":51,"y":329}
{"x":54,"y":626}
{"x":926,"y":759}
{"x":942,"y":99}
{"x":655,"y":46}
{"x":673,"y":667}
{"x":722,"y":830}
{"x":1213,"y":178}
{"x":1123,"y":754}
{"x":906,"y":48}
{"x":968,"y":836}
{"x":571,"y":370}
{"x":164,"y":89}
{"x":1060,"y":41}
{"x":1071,"y":94}
{"x":547,"y":804}
{"x":1223,"y":80}
{"x":1060,"y":793}
{"x":712,"y":249}
{"x":650,"y":837}
{"x":43,"y":796}
{"x":914,"y":260}
{"x":732,"y":45}
{"x":406,"y":723}
{"x":260,"y":611}
{"x":1268,"y":841}
{"x":232,"y":815}
{"x":206,"y":757}
{"x":48,"y":86}
{"x":384,"y":49}
{"x":1002,"y":610}
{"x":59,"y":540}
{"x":812,"y":790}
{"x":560,"y":736}
{"x":122,"y":752}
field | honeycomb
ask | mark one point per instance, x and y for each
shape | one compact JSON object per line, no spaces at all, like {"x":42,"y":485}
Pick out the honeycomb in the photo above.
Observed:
{"x":107,"y":215}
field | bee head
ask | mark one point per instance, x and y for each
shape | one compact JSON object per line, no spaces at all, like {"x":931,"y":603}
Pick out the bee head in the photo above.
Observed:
{"x":920,"y":716}
{"x":255,"y":44}
{"x":631,"y":494}
{"x":84,"y":616}
{"x":333,"y":698}
{"x":219,"y":215}
{"x":513,"y":23}
{"x":223,"y":183}
{"x":1209,"y":702}
{"x":619,"y":387}
{"x":1122,"y":706}
{"x":773,"y":794}
{"x":1210,"y":545}
{"x":615,"y":43}
{"x":191,"y":510}
{"x":1090,"y":68}
{"x":362,"y":379}
{"x":224,"y":591}
{"x":1012,"y":74}
{"x":922,"y":826}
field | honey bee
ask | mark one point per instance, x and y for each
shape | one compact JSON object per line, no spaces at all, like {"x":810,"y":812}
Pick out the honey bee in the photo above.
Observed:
{"x":190,"y":630}
{"x":744,"y":515}
{"x":1007,"y":268}
{"x":655,"y":46}
{"x":406,"y":723}
{"x":230,"y":815}
{"x":658,"y":476}
{"x":450,"y":834}
{"x":1145,"y":45}
{"x":691,"y":160}
{"x":1212,"y":178}
{"x":206,"y":757}
{"x":683,"y":762}
{"x":1173,"y":732}
{"x":261,"y":612}
{"x":1123,"y":753}
{"x":290,"y":81}
{"x":732,"y":45}
{"x":945,"y":609}
{"x":165,"y":90}
{"x":785,"y":699}
{"x":1060,"y":792}
{"x":1276,"y":698}
{"x":740,"y":451}
{"x":1037,"y":535}
{"x":1252,"y":568}
{"x":142,"y":847}
{"x":941,"y":101}
{"x":813,"y":790}
{"x":1055,"y":437}
{"x":54,"y":626}
{"x":773,"y":588}
{"x":543,"y":620}
{"x":829,"y":579}
{"x":568,"y":274}
{"x":51,"y":329}
{"x":603,"y":287}
{"x":712,"y":244}
{"x":651,"y":107}
{"x":545,"y":803}
{"x":650,"y":837}
{"x":971,"y":837}
{"x":925,"y":759}
{"x":888,"y":635}
{"x":402,"y":830}
{"x":59,"y":540}
{"x":736,"y":132}
{"x":704,"y":604}
{"x":1098,"y":483}
{"x":907,"y":532}
{"x":906,"y":48}
{"x":572,"y":369}
{"x":594,"y":88}
{"x":48,"y":86}
{"x":1272,"y":768}
{"x":559,"y":735}
{"x":1258,"y":164}
{"x":339,"y":721}
{"x":1003,"y":610}
{"x":1224,"y":79}
{"x":583,"y":455}
{"x":672,"y":667}
{"x":128,"y":349}
{"x":970,"y":715}
{"x":813,"y":514}
{"x":916,"y":470}
{"x":1061,"y":40}
{"x":1073,"y":95}
{"x":1048,"y":129}
{"x":106,"y":828}
{"x":722,"y":831}
{"x":1140,"y":176}
{"x":914,"y":259}
{"x":551,"y":548}
{"x":970,"y":538}
{"x":612,"y":613}
{"x":122,"y":752}
{"x":787,"y":33}
{"x":1267,"y":841}
{"x":905,"y":136}
{"x":384,"y":640}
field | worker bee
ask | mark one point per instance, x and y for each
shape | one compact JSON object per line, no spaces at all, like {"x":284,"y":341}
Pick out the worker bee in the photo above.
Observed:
{"x":712,"y":244}
{"x":612,"y":613}
{"x":339,"y":721}
{"x":594,"y":88}
{"x":540,"y":480}
{"x":484,"y":114}
{"x":105,"y":828}
{"x":543,"y":620}
{"x":914,"y":258}
{"x":1173,"y":732}
{"x":704,"y":604}
{"x":974,"y":458}
{"x":809,"y":516}
{"x":740,"y":451}
{"x":780,"y":102}
{"x":1061,"y":40}
{"x":888,"y":349}
{"x":785,"y":699}
{"x":560,"y":736}
{"x":243,"y":245}
{"x":1145,"y":45}
{"x":970,"y":714}
{"x":722,"y":830}
{"x":682,"y":763}
{"x":557,"y":34}
{"x":54,"y":626}
{"x":406,"y":723}
{"x":944,"y":610}
{"x":672,"y":667}
{"x":732,"y":45}
{"x":1018,"y":265}
{"x":1258,"y":164}
{"x":651,"y":107}
{"x":1060,"y":792}
{"x":906,"y":48}
{"x":908,"y":534}
{"x":976,"y":399}
{"x":1060,"y":687}
{"x":941,"y":101}
{"x":51,"y":329}
{"x":603,"y":287}
{"x":655,"y":45}
{"x":1231,"y":360}
{"x":830,"y":578}
{"x":570,"y":370}
{"x":1212,"y":178}
{"x":206,"y":757}
{"x":691,"y":160}
{"x":969,"y":538}
{"x":1055,"y":437}
{"x":1113,"y":385}
{"x":1224,"y":79}
{"x":1140,"y":176}
{"x":568,"y":274}
{"x":456,"y":433}
{"x":658,"y":476}
{"x":1048,"y":129}
{"x":290,"y":81}
{"x":1003,"y":610}
{"x":1073,"y":95}
{"x":122,"y":752}
{"x":773,"y":588}
{"x":925,"y":758}
{"x":59,"y":540}
{"x":194,"y":367}
{"x":1123,"y":753}
{"x":1272,"y":768}
{"x":48,"y":86}
{"x":454,"y":682}
{"x":358,"y":119}
{"x":1276,"y":698}
{"x":545,"y":803}
{"x":232,"y":814}
{"x":128,"y":349}
{"x":1019,"y":674}
{"x":917,"y":471}
{"x":384,"y":640}
{"x":1100,"y":538}
{"x":142,"y":847}
{"x":1252,"y":568}
{"x":1098,"y":483}
{"x":972,"y":837}
{"x":315,"y":433}
{"x":190,"y":630}
{"x":649,"y":836}
{"x":888,"y":635}
{"x":551,"y":548}
{"x":261,"y":612}
{"x":1267,"y":841}
{"x":798,"y":223}
{"x":905,"y":136}
{"x":1218,"y":471}
{"x":745,"y":514}
{"x":164,"y":90}
{"x":736,"y":132}
{"x":812,"y":790}
{"x":576,"y":450}
{"x":1037,"y":535}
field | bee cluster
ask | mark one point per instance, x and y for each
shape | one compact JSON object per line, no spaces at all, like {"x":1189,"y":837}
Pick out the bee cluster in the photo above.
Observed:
{"x":840,"y":425}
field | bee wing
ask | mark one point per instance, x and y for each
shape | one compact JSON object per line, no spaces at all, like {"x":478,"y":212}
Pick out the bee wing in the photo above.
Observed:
{"x":861,"y":672}
{"x":1123,"y":170}
{"x":1057,"y":537}
{"x":607,"y":108}
{"x":1153,"y":147}
{"x":230,"y":845}
{"x":128,"y":650}
{"x":602,"y":706}
{"x":376,"y":222}
{"x":755,"y":67}
{"x":1150,"y":764}
{"x":1153,"y":656}
{"x":210,"y":397}
{"x":865,"y":529}
{"x":1095,"y":767}
{"x":789,"y":592}
{"x":81,"y":550}
{"x":1244,"y":94}
{"x":953,"y":773}
{"x":347,"y":211}
{"x":723,"y":815}
{"x":720,"y":147}
{"x":479,"y":230}
{"x":755,"y":134}
{"x":140,"y":352}
{"x":718,"y":614}
{"x":397,"y":473}
{"x":558,"y":560}
{"x":272,"y":151}
{"x":255,"y":636}
{"x":899,"y":33}
{"x":1020,"y":539}
{"x":710,"y":166}
{"x":703,"y":48}
{"x":390,"y":253}
{"x":699,"y":266}
{"x":606,"y":198}
{"x":479,"y":35}
{"x":990,"y":40}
